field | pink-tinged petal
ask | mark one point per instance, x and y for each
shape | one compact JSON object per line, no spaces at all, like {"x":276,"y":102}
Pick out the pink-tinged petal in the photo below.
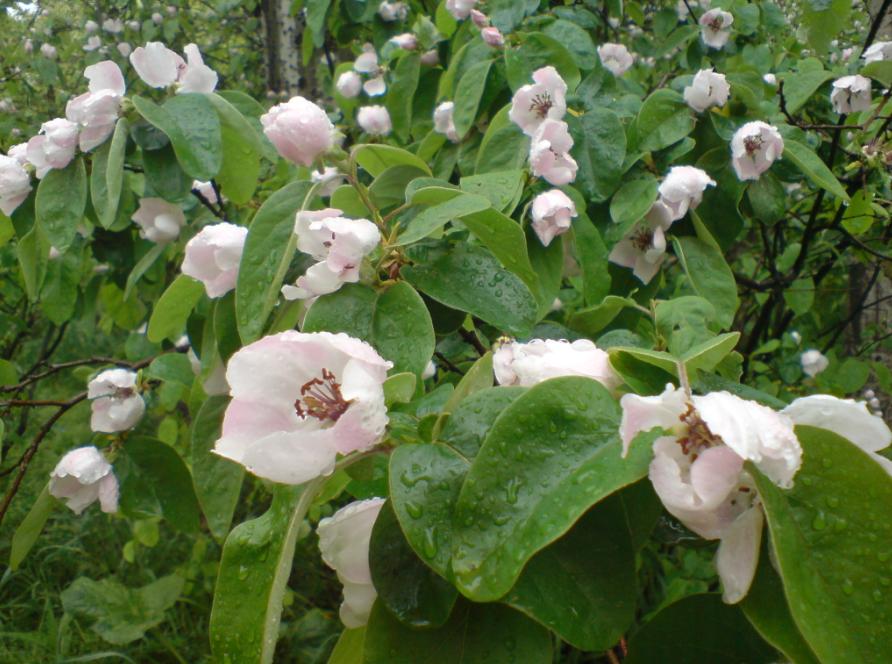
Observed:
{"x":357,"y":604}
{"x":291,"y":457}
{"x":344,"y":539}
{"x":846,"y":417}
{"x":642,"y":414}
{"x":738,"y":554}
{"x":108,"y":493}
{"x":715,"y":474}
{"x":106,"y":75}
{"x":245,"y":422}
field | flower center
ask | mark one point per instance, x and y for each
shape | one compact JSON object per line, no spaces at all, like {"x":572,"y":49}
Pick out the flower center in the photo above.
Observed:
{"x":642,"y":239}
{"x":716,"y":23}
{"x":698,"y":436}
{"x":541,"y":104}
{"x":752,"y":144}
{"x":321,"y":398}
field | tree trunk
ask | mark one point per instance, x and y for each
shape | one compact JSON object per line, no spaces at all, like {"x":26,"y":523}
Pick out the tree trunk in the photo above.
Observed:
{"x":283,"y":34}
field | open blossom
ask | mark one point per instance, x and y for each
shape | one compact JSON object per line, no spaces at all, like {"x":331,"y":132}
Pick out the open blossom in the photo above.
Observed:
{"x":157,"y":18}
{"x":96,"y":111}
{"x":529,"y":363}
{"x":493,"y":37}
{"x":196,"y":76}
{"x":91,"y":27}
{"x":877,"y":51}
{"x":15,"y":184}
{"x":82,"y":477}
{"x":851,"y":94}
{"x":393,"y":11}
{"x":374,"y":120}
{"x":113,"y":25}
{"x":715,"y":27}
{"x":813,"y":362}
{"x":644,"y":247}
{"x":54,"y":147}
{"x":124,"y":49}
{"x":846,"y":417}
{"x":698,"y":468}
{"x":300,"y":130}
{"x":344,"y":543}
{"x":769,"y":79}
{"x":329,"y":180}
{"x":159,"y":221}
{"x":552,"y":213}
{"x":48,"y":51}
{"x":92,"y":44}
{"x":406,"y":41}
{"x":115,"y":401}
{"x":367,"y":63}
{"x":616,"y":58}
{"x":133,"y":25}
{"x":460,"y":9}
{"x":443,"y":121}
{"x":682,"y":189}
{"x":707,"y":89}
{"x":550,"y":153}
{"x":300,"y":399}
{"x":156,"y":64}
{"x":338,"y":243}
{"x":544,"y":99}
{"x":349,"y":84}
{"x":213,"y":256}
{"x":754,"y":147}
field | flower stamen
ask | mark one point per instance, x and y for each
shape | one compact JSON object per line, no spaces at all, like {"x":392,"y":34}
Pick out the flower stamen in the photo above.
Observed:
{"x":541,"y":104}
{"x":321,"y":398}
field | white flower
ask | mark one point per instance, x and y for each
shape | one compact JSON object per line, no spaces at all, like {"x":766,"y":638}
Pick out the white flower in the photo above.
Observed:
{"x":159,"y":221}
{"x":15,"y":184}
{"x":813,"y":362}
{"x":28,"y":46}
{"x":644,"y":247}
{"x":393,"y":11}
{"x":697,"y":469}
{"x":851,"y":94}
{"x":92,"y":44}
{"x":707,"y":89}
{"x":374,"y":120}
{"x":430,"y":58}
{"x":54,"y":147}
{"x":770,"y":79}
{"x":299,"y":400}
{"x":329,"y":180}
{"x":157,"y":18}
{"x":115,"y":401}
{"x":715,"y":26}
{"x":82,"y":477}
{"x":846,"y":417}
{"x":530,"y":363}
{"x":96,"y":111}
{"x":430,"y":370}
{"x":544,"y":99}
{"x":90,"y":27}
{"x":124,"y":49}
{"x":550,"y":153}
{"x":460,"y":9}
{"x":754,"y":147}
{"x":406,"y":41}
{"x":344,"y":543}
{"x":156,"y":64}
{"x":616,"y":58}
{"x":552,"y":213}
{"x":207,"y":191}
{"x":443,"y":121}
{"x":493,"y":37}
{"x":878,"y":51}
{"x":682,"y":189}
{"x":299,"y":129}
{"x":113,"y":25}
{"x":213,"y":256}
{"x":367,"y":61}
{"x":48,"y":51}
{"x":196,"y":76}
{"x":349,"y":84}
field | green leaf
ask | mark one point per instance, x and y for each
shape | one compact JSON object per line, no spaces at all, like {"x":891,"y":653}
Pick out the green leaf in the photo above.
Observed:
{"x":576,"y":40}
{"x":474,"y":634}
{"x":164,"y":176}
{"x":435,"y":217}
{"x":709,"y":275}
{"x":550,"y":455}
{"x":122,"y":615}
{"x":171,"y":368}
{"x":30,"y":528}
{"x":402,"y":329}
{"x":317,"y":11}
{"x":169,"y":316}
{"x":376,"y":158}
{"x":191,"y":124}
{"x":217,"y":481}
{"x":505,"y":238}
{"x":599,"y":147}
{"x":831,"y":541}
{"x":143,"y":265}
{"x":60,"y":203}
{"x":633,"y":200}
{"x":880,"y":70}
{"x":710,"y":631}
{"x":241,"y":149}
{"x":401,"y":93}
{"x":801,"y":85}
{"x":268,"y":250}
{"x":470,"y":279}
{"x":389,"y":188}
{"x":823,"y":20}
{"x":350,"y":309}
{"x":805,"y":159}
{"x":536,"y":50}
{"x":107,"y":175}
{"x":407,"y":587}
{"x":251,"y":583}
{"x":400,"y":388}
{"x":348,"y":649}
{"x":664,"y":118}
{"x":707,"y":355}
{"x":164,"y":477}
{"x":468,"y":94}
{"x":502,"y":188}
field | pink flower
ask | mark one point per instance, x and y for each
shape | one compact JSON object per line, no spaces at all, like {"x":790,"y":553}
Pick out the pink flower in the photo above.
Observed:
{"x":299,"y":400}
{"x":92,"y":44}
{"x":48,"y":51}
{"x":878,"y":51}
{"x":715,"y":26}
{"x":615,"y":58}
{"x":124,"y":49}
{"x":213,"y":256}
{"x":492,"y":37}
{"x":813,"y":362}
{"x":540,"y":359}
{"x":460,"y":9}
{"x":15,"y":184}
{"x":156,"y":64}
{"x":406,"y":41}
{"x":550,"y":153}
{"x":374,"y":120}
{"x":543,"y":100}
{"x":196,"y":76}
{"x":443,"y":122}
{"x":430,"y":58}
{"x":113,"y":25}
{"x":644,"y":248}
{"x":115,"y":402}
{"x":159,"y":221}
{"x":329,"y":180}
{"x":393,"y":11}
{"x":552,"y":212}
{"x":54,"y":147}
{"x":754,"y":147}
{"x":96,"y":111}
{"x":682,"y":189}
{"x":300,"y":130}
{"x":479,"y":19}
{"x":851,"y":94}
{"x":82,"y":477}
{"x":707,"y":89}
{"x":344,"y":543}
{"x":349,"y":84}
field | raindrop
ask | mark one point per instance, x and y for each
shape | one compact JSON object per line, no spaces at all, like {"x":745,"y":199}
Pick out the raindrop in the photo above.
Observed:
{"x":415,"y":510}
